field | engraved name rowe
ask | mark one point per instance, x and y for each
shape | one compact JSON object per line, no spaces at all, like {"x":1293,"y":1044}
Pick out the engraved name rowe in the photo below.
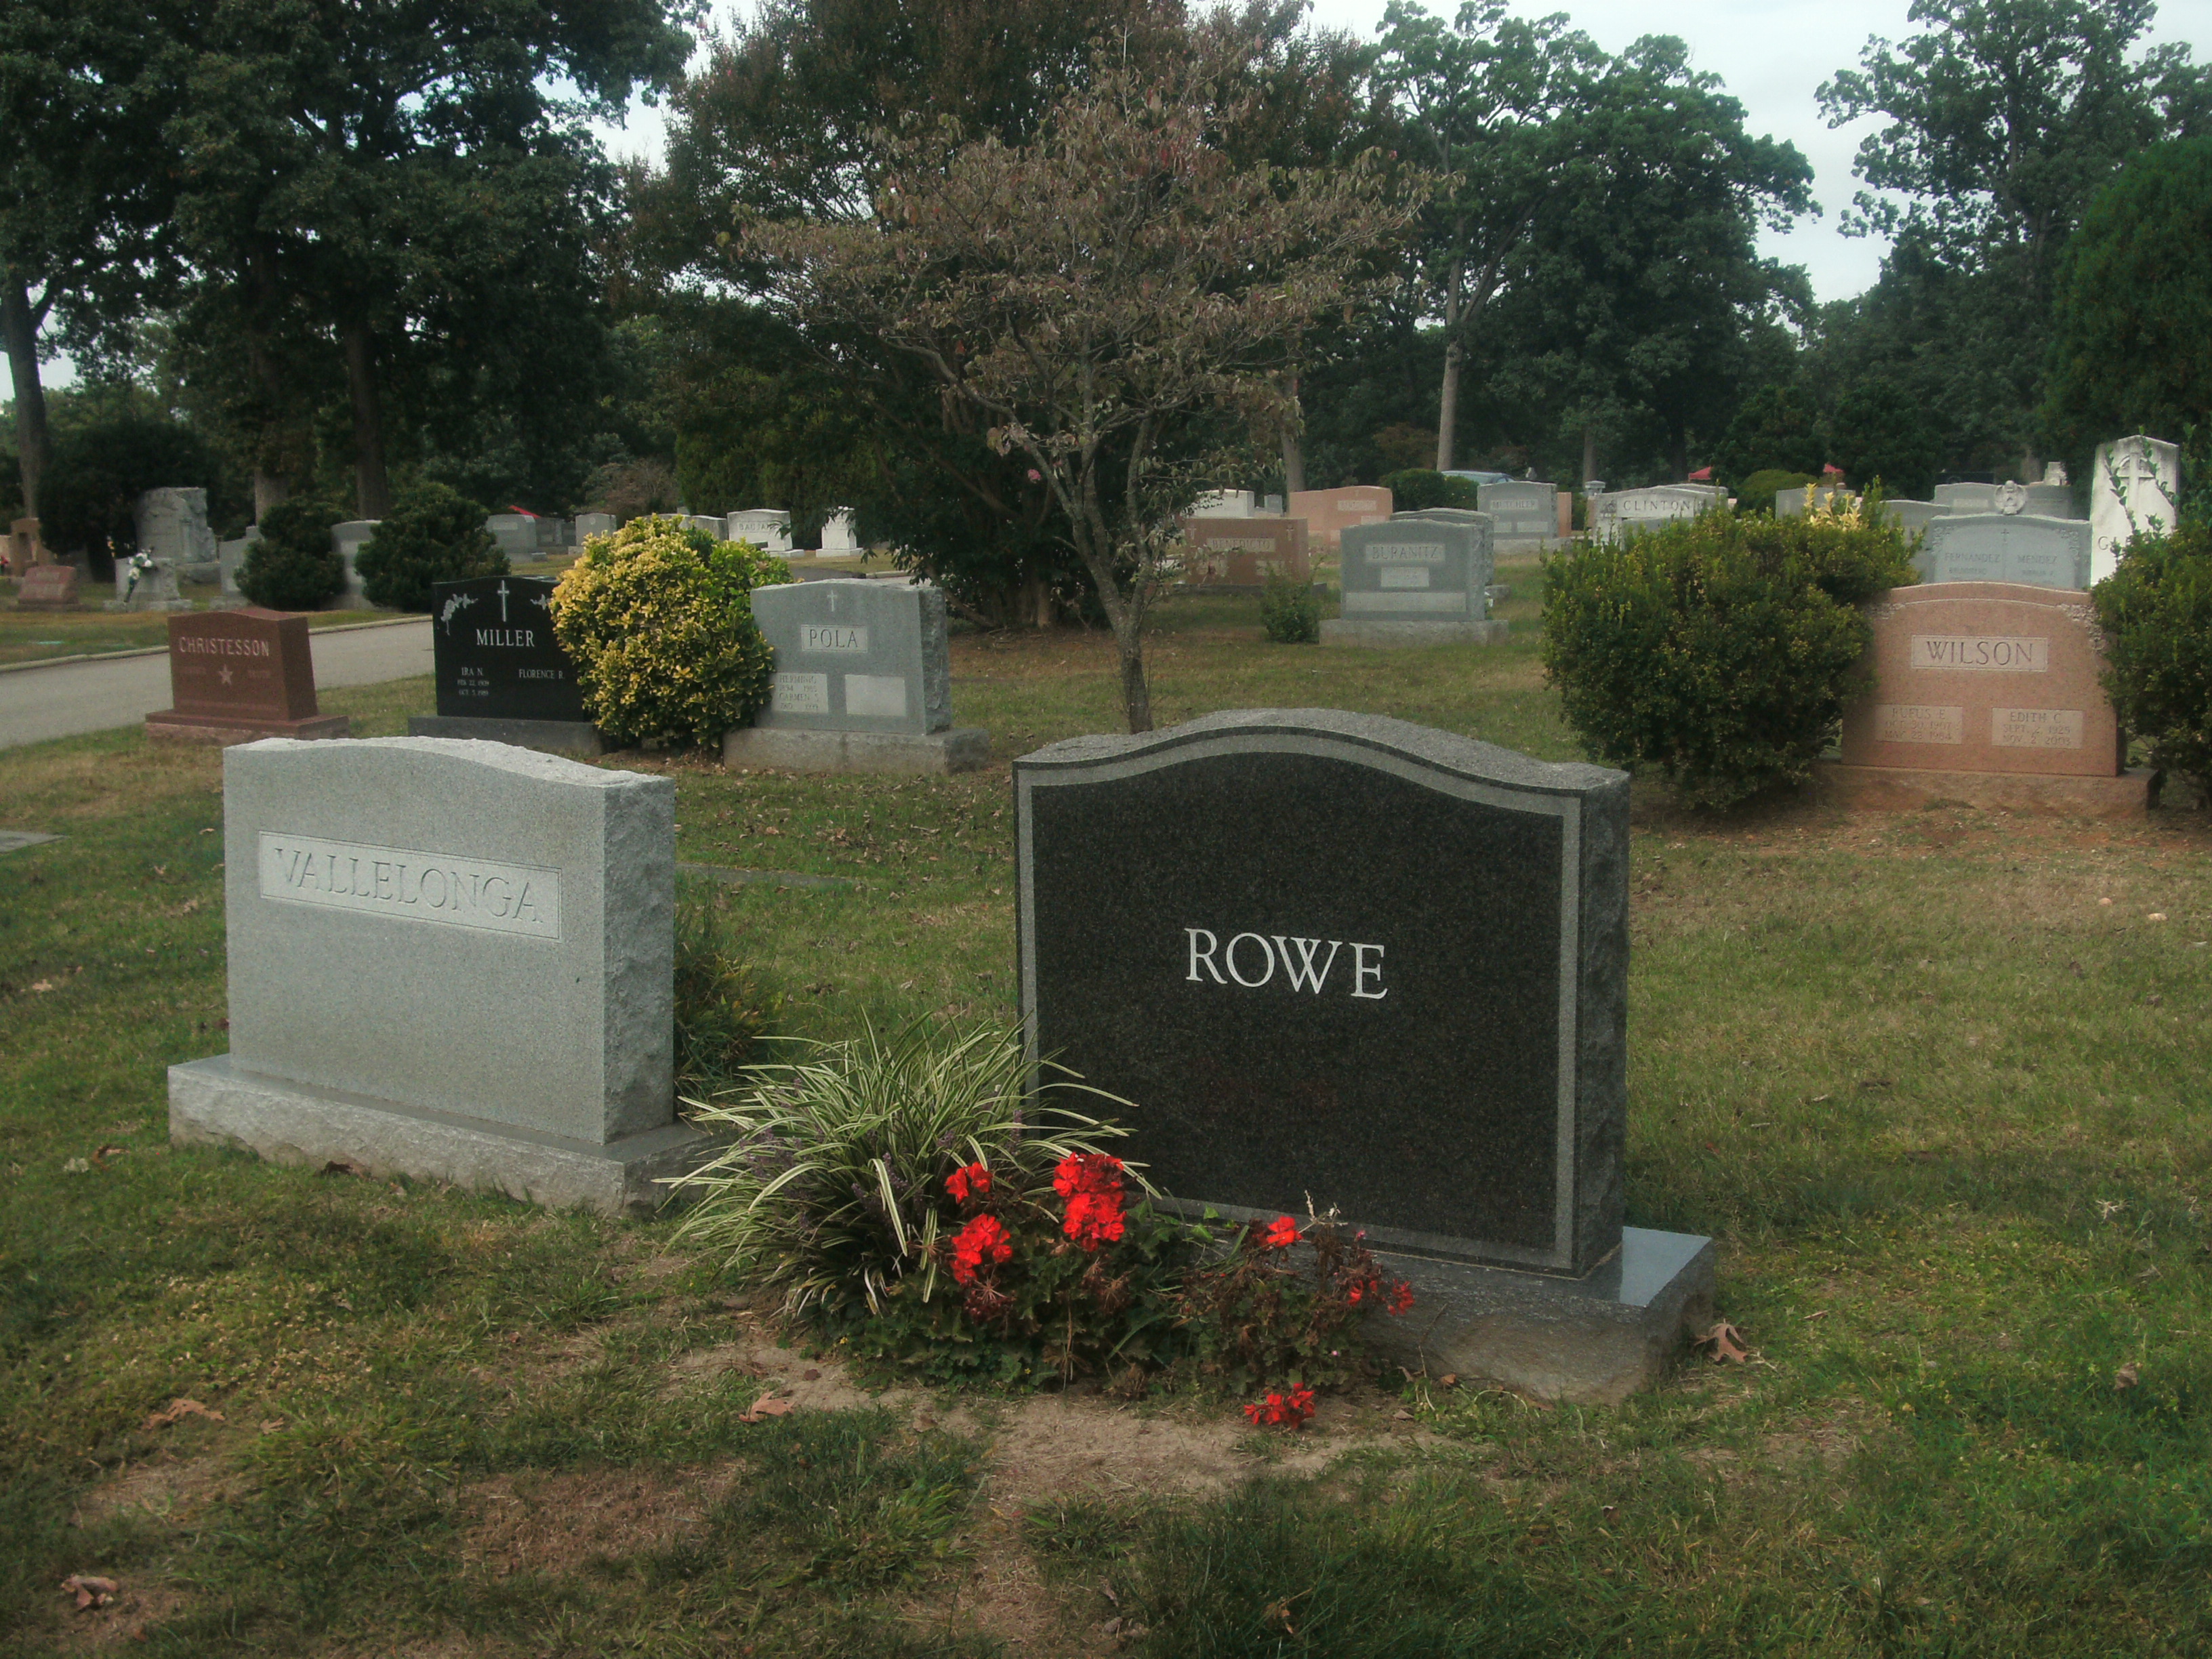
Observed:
{"x":1250,"y":961}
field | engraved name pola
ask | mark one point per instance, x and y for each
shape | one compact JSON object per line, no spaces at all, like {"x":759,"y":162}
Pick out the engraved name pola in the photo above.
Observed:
{"x":1340,"y":957}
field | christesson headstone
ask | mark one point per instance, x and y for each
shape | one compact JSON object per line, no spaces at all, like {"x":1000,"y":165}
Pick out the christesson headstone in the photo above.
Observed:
{"x":238,"y":674}
{"x":1417,"y":578}
{"x":2005,"y":547}
{"x":451,"y":960}
{"x":501,"y":673}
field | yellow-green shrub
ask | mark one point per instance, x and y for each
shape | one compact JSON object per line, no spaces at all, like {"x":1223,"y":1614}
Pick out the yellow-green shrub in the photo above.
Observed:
{"x":660,"y":619}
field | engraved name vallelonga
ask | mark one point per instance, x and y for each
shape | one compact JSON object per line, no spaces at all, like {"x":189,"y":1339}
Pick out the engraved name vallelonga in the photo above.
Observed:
{"x":1250,"y":960}
{"x":409,"y":885}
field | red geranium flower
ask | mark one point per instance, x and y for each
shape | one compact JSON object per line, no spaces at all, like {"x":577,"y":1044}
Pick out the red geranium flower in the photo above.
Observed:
{"x":1094,"y":1219}
{"x":1282,"y":1233}
{"x":982,"y":1242}
{"x":1401,"y":1298}
{"x":1282,"y":1411}
{"x":1087,"y":1172}
{"x":972,"y":1182}
{"x":1354,"y":1290}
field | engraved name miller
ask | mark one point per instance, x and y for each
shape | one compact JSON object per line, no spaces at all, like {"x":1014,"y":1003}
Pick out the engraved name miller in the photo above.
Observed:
{"x":412,"y":886}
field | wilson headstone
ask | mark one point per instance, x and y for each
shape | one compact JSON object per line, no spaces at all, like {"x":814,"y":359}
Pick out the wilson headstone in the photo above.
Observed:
{"x":449,"y":960}
{"x":1432,"y":1040}
{"x":501,"y":674}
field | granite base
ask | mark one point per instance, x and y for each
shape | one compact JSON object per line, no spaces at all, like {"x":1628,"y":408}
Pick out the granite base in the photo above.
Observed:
{"x":1348,"y":630}
{"x":554,"y":737}
{"x":1911,"y":788}
{"x":122,"y":605}
{"x":167,"y":726}
{"x":49,"y":605}
{"x":1591,"y":1341}
{"x":962,"y":749}
{"x":214,"y":1101}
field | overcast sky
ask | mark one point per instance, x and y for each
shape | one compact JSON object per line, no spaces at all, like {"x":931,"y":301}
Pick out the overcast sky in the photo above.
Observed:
{"x":1772,"y":54}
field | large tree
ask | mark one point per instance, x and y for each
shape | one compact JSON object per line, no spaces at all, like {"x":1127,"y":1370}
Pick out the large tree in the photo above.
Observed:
{"x":1113,"y":300}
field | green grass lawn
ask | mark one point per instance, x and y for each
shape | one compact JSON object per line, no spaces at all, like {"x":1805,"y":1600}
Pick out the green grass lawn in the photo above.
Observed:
{"x":42,"y":635}
{"x":1936,"y":1080}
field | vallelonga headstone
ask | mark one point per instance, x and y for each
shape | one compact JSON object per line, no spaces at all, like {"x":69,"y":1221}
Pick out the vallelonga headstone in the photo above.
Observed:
{"x":501,"y":674}
{"x":447,"y":960}
{"x":863,"y":682}
{"x":1430,"y":1038}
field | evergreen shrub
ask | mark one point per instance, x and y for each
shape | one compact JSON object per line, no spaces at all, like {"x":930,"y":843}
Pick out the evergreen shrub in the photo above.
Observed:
{"x":723,"y":1010}
{"x":293,"y":567}
{"x":433,"y":534}
{"x":1717,"y":651}
{"x":2156,"y":611}
{"x":1420,"y":488}
{"x":1290,"y":612}
{"x":1756,"y":494}
{"x":660,"y":619}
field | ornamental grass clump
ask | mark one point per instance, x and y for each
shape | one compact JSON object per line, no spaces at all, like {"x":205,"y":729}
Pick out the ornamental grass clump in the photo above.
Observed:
{"x":660,"y":619}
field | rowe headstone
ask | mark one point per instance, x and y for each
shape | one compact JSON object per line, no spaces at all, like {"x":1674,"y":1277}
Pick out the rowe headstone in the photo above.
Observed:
{"x":863,"y":682}
{"x":1985,"y":691}
{"x":447,"y":960}
{"x":1329,"y":512}
{"x":768,"y":528}
{"x":2005,"y":547}
{"x":1417,"y":578}
{"x":348,"y":539}
{"x":2133,"y":491}
{"x":1525,"y":514}
{"x":171,"y":524}
{"x":593,"y":524}
{"x":1239,"y":555}
{"x":48,"y":587}
{"x":1433,"y":1042}
{"x":501,"y":674}
{"x":239,"y":675}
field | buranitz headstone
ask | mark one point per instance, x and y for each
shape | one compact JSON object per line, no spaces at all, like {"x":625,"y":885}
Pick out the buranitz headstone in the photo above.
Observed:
{"x":1432,"y":1042}
{"x":502,"y":676}
{"x":1417,"y":578}
{"x":239,"y":675}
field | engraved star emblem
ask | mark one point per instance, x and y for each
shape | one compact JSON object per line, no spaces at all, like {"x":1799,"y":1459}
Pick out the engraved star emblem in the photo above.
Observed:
{"x":223,"y":674}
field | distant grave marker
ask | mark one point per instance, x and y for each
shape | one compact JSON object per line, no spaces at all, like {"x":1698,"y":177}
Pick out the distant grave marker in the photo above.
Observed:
{"x":239,"y":675}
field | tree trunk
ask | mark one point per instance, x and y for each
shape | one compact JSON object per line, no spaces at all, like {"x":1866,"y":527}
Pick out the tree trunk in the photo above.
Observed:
{"x":21,"y":328}
{"x":1448,"y":404}
{"x":269,"y":488}
{"x":1294,"y":456}
{"x":372,"y":486}
{"x":1136,"y":693}
{"x":1679,"y":445}
{"x":1590,"y":453}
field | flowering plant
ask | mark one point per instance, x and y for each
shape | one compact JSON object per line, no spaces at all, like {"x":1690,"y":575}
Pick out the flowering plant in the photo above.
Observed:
{"x":1282,"y":1411}
{"x":1264,"y":1314}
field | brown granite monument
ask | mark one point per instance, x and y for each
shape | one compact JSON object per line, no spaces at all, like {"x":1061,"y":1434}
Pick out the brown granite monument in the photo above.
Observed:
{"x":1985,"y":692}
{"x":1233,"y":554}
{"x":1329,"y":512}
{"x":48,"y":587}
{"x":240,"y":675}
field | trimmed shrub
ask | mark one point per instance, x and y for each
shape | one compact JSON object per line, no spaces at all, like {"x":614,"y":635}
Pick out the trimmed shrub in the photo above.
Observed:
{"x":1417,"y":488}
{"x":2155,"y":610}
{"x":1290,"y":612}
{"x":1717,"y":651}
{"x":660,"y":619}
{"x":293,"y":567}
{"x":1757,"y":492}
{"x":433,"y":534}
{"x":723,"y":1011}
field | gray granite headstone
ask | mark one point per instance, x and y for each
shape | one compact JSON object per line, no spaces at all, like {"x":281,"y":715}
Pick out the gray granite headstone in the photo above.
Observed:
{"x":515,"y":534}
{"x":853,"y":655}
{"x":594,"y":524}
{"x":768,"y":528}
{"x":173,"y":526}
{"x":1522,"y":509}
{"x":2133,"y":487}
{"x":2005,"y":547}
{"x":1620,"y":510}
{"x":1418,"y":566}
{"x":230,"y":555}
{"x":1911,"y":517}
{"x":446,"y":958}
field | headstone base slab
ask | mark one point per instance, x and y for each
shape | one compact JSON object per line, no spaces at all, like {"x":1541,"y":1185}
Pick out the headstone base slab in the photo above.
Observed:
{"x":167,"y":726}
{"x":554,"y":737}
{"x":49,"y":605}
{"x":1908,"y":788}
{"x":1589,"y":1342}
{"x":213,"y":1101}
{"x":229,"y":602}
{"x":1350,"y":630}
{"x":123,"y":605}
{"x":962,"y":749}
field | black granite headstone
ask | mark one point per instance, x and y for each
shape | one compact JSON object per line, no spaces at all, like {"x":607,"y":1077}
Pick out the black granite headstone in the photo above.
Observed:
{"x":1340,"y":956}
{"x":492,"y":639}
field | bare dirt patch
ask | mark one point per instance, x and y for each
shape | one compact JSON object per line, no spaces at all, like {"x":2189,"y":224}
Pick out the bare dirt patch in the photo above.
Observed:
{"x":162,"y":1487}
{"x":551,"y":1523}
{"x":139,"y":1603}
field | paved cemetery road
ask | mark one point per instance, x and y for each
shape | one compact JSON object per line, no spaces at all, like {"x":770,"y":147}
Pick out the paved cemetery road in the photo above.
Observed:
{"x":63,"y":699}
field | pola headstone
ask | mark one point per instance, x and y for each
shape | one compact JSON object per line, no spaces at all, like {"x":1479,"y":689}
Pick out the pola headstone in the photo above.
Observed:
{"x":1417,"y":578}
{"x":1239,"y":555}
{"x":1523,"y":513}
{"x":239,"y":675}
{"x":447,"y":960}
{"x":1432,"y":1042}
{"x":863,"y":682}
{"x":2133,"y":491}
{"x":502,"y":676}
{"x":2005,"y":547}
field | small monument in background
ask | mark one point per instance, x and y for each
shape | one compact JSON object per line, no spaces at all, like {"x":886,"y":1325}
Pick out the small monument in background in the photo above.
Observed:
{"x":2134,"y":490}
{"x":239,"y":675}
{"x":1417,"y":578}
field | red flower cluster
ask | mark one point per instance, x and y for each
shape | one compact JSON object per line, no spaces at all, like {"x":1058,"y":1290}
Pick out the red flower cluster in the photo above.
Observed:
{"x":1091,"y":1184}
{"x":1282,"y":1233}
{"x":1281,"y":1410}
{"x":982,"y":1243}
{"x":1398,"y":1299}
{"x":1402,"y":1297}
{"x":971,"y":1183}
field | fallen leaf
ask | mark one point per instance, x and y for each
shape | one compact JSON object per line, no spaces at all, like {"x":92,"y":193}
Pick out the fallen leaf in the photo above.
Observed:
{"x":106,"y":1151}
{"x":90,"y":1592}
{"x":2126,"y":1377}
{"x":769,"y":1406}
{"x":2155,"y":916}
{"x":810,"y":1376}
{"x":2103,"y":901}
{"x":42,"y":985}
{"x":1726,"y":1342}
{"x":1401,"y":1416}
{"x":179,"y":1409}
{"x":1449,"y":1379}
{"x":272,"y":1425}
{"x":339,"y":1166}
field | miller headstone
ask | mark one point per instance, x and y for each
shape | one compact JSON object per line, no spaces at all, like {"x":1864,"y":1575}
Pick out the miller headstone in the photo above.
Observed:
{"x":1417,"y":578}
{"x":1239,"y":555}
{"x":239,"y":675}
{"x":2132,"y":491}
{"x":501,"y":674}
{"x":863,"y":682}
{"x":2005,"y":547}
{"x":447,"y":960}
{"x":1433,"y":1041}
